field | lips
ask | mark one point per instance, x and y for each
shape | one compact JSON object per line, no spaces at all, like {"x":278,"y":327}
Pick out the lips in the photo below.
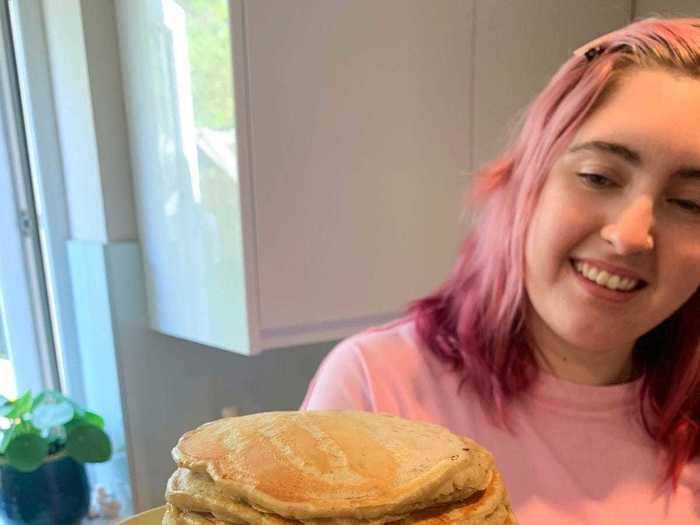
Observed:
{"x":603,"y":292}
{"x":606,"y":279}
{"x":603,"y":273}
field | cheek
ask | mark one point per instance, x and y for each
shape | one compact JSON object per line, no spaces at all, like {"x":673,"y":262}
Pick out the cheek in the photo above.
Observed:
{"x":682,"y":278}
{"x":560,"y":222}
{"x":554,"y":232}
{"x":679,"y":263}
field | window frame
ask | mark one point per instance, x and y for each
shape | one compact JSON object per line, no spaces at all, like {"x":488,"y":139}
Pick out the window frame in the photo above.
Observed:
{"x":41,"y":201}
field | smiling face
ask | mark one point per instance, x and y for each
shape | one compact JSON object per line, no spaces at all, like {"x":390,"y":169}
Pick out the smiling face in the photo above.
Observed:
{"x":623,"y":199}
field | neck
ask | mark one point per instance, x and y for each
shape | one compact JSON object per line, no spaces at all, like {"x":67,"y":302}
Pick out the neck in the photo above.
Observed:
{"x":582,"y":369}
{"x":597,"y":367}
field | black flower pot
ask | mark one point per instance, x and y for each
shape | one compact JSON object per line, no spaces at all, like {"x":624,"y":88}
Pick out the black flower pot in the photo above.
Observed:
{"x":57,"y":493}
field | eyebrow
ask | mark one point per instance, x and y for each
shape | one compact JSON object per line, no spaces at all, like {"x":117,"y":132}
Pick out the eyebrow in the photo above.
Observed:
{"x":689,"y":174}
{"x":609,"y":147}
{"x":629,"y":155}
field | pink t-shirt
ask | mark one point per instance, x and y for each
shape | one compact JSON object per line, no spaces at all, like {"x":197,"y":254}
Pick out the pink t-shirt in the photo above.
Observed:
{"x":578,"y":455}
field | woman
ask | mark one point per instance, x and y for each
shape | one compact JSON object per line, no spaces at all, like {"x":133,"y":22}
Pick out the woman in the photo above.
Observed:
{"x":567,"y":338}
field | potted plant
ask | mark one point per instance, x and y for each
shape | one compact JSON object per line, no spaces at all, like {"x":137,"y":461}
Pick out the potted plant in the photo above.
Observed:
{"x":44,"y":443}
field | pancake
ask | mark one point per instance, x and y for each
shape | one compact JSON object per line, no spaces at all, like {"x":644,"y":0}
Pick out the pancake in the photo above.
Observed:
{"x":199,"y":495}
{"x":335,"y":464}
{"x":175,"y":516}
{"x":489,"y":507}
{"x":198,"y":492}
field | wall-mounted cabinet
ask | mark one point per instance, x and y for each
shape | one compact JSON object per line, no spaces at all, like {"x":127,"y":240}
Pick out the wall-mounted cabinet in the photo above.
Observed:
{"x":298,"y":166}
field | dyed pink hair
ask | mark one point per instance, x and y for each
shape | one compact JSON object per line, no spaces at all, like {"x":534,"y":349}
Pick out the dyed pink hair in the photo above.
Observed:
{"x":476,"y":319}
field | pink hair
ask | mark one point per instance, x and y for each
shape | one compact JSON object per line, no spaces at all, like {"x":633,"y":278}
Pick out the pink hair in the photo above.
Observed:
{"x":476,"y":319}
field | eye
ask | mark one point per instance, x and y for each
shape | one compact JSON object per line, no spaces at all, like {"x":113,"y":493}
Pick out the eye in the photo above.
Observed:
{"x":596,"y":180}
{"x":686,"y":205}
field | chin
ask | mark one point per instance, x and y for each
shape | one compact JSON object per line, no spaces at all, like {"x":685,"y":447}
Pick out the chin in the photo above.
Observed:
{"x":588,"y":340}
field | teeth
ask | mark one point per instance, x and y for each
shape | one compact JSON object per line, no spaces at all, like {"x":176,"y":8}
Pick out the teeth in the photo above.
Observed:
{"x":614,"y":282}
{"x":603,"y":278}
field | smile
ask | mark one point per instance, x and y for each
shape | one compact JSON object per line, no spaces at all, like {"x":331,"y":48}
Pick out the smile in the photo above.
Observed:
{"x":606,"y":279}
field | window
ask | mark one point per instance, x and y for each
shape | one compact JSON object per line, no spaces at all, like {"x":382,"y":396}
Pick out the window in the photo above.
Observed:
{"x":27,"y":357}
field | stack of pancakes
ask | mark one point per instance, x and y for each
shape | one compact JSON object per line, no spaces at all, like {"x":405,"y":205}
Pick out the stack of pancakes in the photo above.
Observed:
{"x":332,"y":468}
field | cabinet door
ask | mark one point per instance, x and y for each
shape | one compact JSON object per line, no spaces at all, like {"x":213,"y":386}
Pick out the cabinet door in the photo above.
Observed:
{"x":359,"y":143}
{"x":177,"y":66}
{"x":339,"y":200}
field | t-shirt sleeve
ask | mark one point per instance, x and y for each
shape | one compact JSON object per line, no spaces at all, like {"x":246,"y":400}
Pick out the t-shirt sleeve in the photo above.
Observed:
{"x":341,"y":381}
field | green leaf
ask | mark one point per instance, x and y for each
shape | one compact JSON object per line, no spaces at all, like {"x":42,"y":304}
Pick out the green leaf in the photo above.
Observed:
{"x":47,"y":414}
{"x":39,"y":399}
{"x":90,"y":418}
{"x":88,"y":444}
{"x":26,"y":452}
{"x":21,"y":406}
{"x":25,"y":427}
{"x":7,"y":436}
{"x":52,"y":397}
{"x":73,"y":423}
{"x":16,"y":430}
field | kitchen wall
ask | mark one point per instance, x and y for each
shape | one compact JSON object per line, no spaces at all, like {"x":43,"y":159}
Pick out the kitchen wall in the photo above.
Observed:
{"x":155,"y":387}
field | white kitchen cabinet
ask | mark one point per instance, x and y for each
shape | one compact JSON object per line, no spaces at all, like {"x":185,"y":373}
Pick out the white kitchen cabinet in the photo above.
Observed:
{"x":337,"y":199}
{"x":339,"y":194}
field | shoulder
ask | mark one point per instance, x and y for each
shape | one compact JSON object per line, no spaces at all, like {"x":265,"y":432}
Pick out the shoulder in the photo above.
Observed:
{"x":394,"y":339}
{"x":393,"y":346}
{"x":377,"y":369}
{"x":347,"y":375}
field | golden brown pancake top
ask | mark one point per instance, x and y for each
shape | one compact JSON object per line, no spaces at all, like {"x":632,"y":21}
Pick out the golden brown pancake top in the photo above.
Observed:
{"x":335,"y":463}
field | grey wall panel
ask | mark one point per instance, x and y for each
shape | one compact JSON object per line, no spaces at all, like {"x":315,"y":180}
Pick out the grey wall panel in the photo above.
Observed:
{"x":645,"y":8}
{"x":518,"y":46}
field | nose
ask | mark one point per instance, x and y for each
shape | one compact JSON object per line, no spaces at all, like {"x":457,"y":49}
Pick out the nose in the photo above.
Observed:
{"x":630,"y":230}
